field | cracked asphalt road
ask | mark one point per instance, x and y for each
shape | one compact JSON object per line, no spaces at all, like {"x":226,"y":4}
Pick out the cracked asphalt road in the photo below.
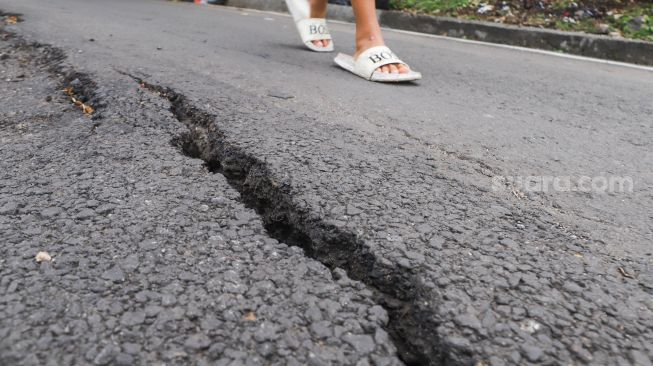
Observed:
{"x":154,"y":258}
{"x":158,"y":259}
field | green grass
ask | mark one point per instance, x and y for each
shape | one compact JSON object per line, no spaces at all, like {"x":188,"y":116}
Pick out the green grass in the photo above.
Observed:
{"x":556,"y":14}
{"x":623,"y":23}
{"x":432,"y":6}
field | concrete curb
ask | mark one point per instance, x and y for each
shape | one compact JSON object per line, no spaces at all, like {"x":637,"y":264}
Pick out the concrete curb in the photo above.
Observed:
{"x":603,"y":47}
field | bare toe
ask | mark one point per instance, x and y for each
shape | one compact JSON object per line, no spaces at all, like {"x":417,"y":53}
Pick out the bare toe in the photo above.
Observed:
{"x":317,"y":43}
{"x":403,"y":69}
{"x":325,"y":42}
{"x":393,"y":69}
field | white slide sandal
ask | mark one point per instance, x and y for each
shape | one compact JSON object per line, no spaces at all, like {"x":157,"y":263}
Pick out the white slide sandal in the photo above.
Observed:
{"x":310,"y":29}
{"x":370,"y":60}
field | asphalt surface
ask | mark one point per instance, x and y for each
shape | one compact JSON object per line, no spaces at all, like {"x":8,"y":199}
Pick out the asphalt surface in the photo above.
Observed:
{"x":158,"y":259}
{"x":154,"y":260}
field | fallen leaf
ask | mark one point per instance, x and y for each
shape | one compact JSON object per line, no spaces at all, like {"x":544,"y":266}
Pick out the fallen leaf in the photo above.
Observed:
{"x":578,"y":255}
{"x":12,"y":19}
{"x":249,"y":316}
{"x":179,"y":354}
{"x":85,"y":108}
{"x":624,"y":273}
{"x":43,"y":257}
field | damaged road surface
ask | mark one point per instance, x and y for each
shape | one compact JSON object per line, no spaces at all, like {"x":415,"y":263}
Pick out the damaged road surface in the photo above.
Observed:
{"x":151,"y":258}
{"x":208,"y":192}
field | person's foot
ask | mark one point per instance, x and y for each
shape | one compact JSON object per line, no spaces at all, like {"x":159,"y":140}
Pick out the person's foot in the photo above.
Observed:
{"x":364,"y":42}
{"x":319,"y":10}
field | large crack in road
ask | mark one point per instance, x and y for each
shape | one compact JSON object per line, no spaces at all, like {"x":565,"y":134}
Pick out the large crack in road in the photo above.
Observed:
{"x":284,"y":221}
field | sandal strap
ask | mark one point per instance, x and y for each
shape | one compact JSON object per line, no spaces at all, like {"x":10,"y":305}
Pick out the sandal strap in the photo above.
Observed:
{"x":373,"y":58}
{"x":313,"y":29}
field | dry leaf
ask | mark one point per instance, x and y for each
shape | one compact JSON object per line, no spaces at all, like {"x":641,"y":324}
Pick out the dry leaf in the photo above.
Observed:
{"x":250,"y":316}
{"x":43,"y":257}
{"x":85,"y":108}
{"x":578,"y":255}
{"x":624,"y":273}
{"x":12,"y":20}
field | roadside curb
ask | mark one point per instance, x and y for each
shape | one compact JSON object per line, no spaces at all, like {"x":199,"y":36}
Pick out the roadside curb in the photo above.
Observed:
{"x":589,"y":45}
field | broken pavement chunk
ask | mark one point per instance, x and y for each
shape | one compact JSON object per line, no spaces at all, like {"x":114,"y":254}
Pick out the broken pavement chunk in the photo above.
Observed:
{"x":43,"y":257}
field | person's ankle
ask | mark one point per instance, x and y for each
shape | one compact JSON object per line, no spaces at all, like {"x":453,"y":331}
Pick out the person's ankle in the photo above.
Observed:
{"x":318,"y":8}
{"x":367,"y":41}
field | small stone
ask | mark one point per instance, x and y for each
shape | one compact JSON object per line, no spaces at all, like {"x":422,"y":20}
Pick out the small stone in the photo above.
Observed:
{"x":378,"y":313}
{"x":114,"y":274}
{"x":603,"y":28}
{"x":573,"y":287}
{"x":265,"y":332}
{"x":9,"y":208}
{"x":532,"y":353}
{"x":514,"y":280}
{"x":148,"y":245}
{"x":152,"y":310}
{"x":457,"y":343}
{"x":362,"y":343}
{"x":275,"y":93}
{"x":51,"y":212}
{"x":424,"y":228}
{"x":636,"y":23}
{"x":84,"y":214}
{"x":496,"y":361}
{"x":168,"y":299}
{"x":469,"y":321}
{"x":43,"y":257}
{"x":321,"y":329}
{"x":106,"y":355}
{"x":123,"y":359}
{"x":132,"y":348}
{"x":197,"y":342}
{"x":436,"y":242}
{"x":104,"y":209}
{"x":530,"y":326}
{"x":363,"y":362}
{"x":581,"y":352}
{"x":132,"y":318}
{"x":353,"y":210}
{"x":639,"y":358}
